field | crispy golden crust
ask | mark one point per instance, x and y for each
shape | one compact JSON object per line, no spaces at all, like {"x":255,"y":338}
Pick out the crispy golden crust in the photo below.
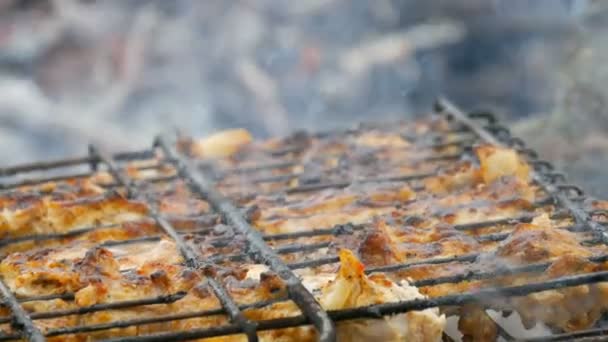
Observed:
{"x":45,"y":216}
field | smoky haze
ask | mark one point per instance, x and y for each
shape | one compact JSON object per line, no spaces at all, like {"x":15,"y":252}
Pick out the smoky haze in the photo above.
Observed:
{"x":118,"y":72}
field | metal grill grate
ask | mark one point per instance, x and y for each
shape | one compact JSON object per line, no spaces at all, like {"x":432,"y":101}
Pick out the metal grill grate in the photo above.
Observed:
{"x":267,"y":248}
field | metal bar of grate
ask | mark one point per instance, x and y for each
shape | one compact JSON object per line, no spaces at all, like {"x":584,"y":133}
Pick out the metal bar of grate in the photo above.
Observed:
{"x":52,"y":164}
{"x":455,"y":278}
{"x":443,"y":260}
{"x":291,"y":248}
{"x":155,"y":179}
{"x":340,"y":229}
{"x":64,"y":296}
{"x":82,"y":175}
{"x":201,"y":219}
{"x":152,"y":320}
{"x":376,"y":311}
{"x":190,"y":256}
{"x":314,"y":262}
{"x":20,"y":319}
{"x":304,"y":299}
{"x":128,"y":156}
{"x":44,"y":237}
{"x":42,"y":180}
{"x":494,"y":237}
{"x":257,"y":168}
{"x":490,"y":223}
{"x":164,"y":299}
{"x":344,"y":184}
{"x":143,"y":239}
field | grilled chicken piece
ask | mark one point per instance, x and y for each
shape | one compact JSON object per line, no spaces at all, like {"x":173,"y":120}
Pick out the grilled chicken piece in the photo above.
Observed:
{"x":222,"y":144}
{"x":71,"y":268}
{"x":351,"y":288}
{"x":46,"y":216}
{"x":67,"y":190}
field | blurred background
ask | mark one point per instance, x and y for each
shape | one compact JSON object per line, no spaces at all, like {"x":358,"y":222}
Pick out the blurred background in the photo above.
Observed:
{"x":116,"y":72}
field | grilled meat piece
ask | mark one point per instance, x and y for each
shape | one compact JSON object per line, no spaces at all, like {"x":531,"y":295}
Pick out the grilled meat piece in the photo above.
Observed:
{"x":44,"y":216}
{"x":352,"y":288}
{"x":72,"y":267}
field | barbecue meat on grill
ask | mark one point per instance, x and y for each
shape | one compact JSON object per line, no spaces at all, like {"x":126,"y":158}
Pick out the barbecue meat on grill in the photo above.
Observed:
{"x":222,"y":144}
{"x":70,"y":269}
{"x":378,"y":214}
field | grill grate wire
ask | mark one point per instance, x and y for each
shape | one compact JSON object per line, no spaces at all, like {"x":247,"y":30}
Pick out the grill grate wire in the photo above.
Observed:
{"x":191,"y":258}
{"x":482,"y":126}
